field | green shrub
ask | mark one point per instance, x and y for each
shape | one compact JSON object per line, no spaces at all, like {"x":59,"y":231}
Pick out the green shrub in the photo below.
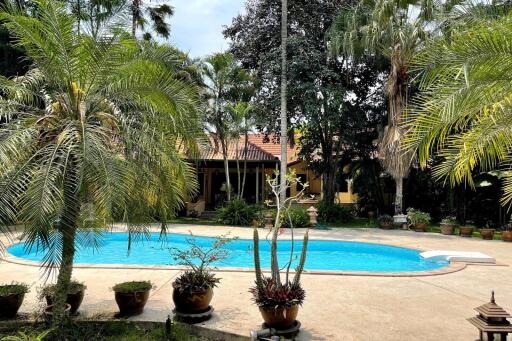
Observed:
{"x":334,"y":213}
{"x":129,"y":287}
{"x":299,"y":217}
{"x":13,"y":289}
{"x":49,"y":290}
{"x":417,"y":217}
{"x":238,"y":213}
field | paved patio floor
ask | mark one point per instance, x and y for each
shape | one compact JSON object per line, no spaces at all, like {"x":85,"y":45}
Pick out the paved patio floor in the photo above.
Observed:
{"x":336,"y":307}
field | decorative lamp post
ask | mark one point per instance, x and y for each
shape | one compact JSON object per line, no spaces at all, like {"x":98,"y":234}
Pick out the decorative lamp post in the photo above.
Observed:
{"x":313,"y":214}
{"x":492,"y":321}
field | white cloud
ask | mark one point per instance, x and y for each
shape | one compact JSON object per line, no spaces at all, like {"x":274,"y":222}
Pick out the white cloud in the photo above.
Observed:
{"x":197,"y":24}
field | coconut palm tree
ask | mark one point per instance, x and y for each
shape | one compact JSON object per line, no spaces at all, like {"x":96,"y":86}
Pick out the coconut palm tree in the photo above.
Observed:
{"x":463,"y":112}
{"x":157,"y":15}
{"x":284,"y":114}
{"x":396,"y":30}
{"x":92,"y":133}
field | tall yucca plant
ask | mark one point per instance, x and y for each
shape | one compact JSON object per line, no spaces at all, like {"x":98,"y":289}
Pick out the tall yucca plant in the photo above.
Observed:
{"x":463,"y":112}
{"x":396,"y":30}
{"x":93,"y":130}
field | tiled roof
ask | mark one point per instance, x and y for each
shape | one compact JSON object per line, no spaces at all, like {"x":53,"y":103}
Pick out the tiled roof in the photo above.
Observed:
{"x":259,"y":148}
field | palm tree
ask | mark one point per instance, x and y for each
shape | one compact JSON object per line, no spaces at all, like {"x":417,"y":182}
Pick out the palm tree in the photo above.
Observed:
{"x":284,"y":115}
{"x":92,"y":133}
{"x":463,"y":111}
{"x":226,"y":83}
{"x":396,"y":30}
{"x":157,"y":15}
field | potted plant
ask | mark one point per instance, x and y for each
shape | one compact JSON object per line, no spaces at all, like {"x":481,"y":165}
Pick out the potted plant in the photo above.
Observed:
{"x":418,"y":219}
{"x":466,"y":230}
{"x":76,"y":292}
{"x":11,"y":298}
{"x":279,"y":296}
{"x":193,"y":290}
{"x":386,"y":222}
{"x":506,"y":235}
{"x":448,"y":225}
{"x":487,"y":233}
{"x":131,"y":297}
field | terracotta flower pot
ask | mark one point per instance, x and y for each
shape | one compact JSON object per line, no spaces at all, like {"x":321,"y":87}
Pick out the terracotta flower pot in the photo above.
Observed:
{"x":280,"y":318}
{"x":186,"y":302}
{"x":75,"y":300}
{"x":132,"y":303}
{"x":487,"y":234}
{"x":447,"y":229}
{"x":386,"y":225}
{"x":420,"y":227}
{"x":466,"y":231}
{"x":10,"y":304}
{"x":506,"y":236}
{"x":371,"y":215}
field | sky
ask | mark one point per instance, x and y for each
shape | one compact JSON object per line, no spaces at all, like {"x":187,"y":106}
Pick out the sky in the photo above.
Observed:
{"x":196,"y":26}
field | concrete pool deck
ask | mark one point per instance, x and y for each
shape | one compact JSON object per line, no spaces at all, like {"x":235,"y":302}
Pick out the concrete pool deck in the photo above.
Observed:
{"x":336,"y":307}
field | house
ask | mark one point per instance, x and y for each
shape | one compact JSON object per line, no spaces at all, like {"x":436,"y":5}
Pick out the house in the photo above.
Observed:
{"x":263,"y":157}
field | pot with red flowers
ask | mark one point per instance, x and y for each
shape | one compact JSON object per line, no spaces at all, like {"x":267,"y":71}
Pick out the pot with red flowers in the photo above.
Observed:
{"x":193,"y":289}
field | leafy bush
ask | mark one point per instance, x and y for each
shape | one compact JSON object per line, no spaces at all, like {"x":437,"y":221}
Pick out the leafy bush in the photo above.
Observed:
{"x":450,"y":220}
{"x":49,"y":290}
{"x":417,"y":217}
{"x":238,"y":213}
{"x":334,"y":213}
{"x":195,"y":281}
{"x":299,"y":217}
{"x":277,"y":296}
{"x":129,"y":287}
{"x":385,"y":218}
{"x":13,"y":289}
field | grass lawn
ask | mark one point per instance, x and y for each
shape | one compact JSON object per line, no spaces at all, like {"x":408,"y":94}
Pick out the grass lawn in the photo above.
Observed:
{"x":105,"y":331}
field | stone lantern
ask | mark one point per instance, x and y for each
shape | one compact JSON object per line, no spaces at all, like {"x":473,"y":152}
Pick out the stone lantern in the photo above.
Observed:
{"x":313,"y":214}
{"x":492,"y":322}
{"x":269,"y":220}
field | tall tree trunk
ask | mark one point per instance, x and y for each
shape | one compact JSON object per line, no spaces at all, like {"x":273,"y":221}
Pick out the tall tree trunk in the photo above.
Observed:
{"x":284,"y":122}
{"x":399,"y":196}
{"x":246,"y":146}
{"x":67,"y":229}
{"x":226,"y":166}
{"x":239,"y":176}
{"x":135,"y":10}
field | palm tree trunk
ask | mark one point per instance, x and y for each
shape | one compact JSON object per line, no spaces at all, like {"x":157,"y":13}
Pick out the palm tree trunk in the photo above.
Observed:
{"x":135,"y":10}
{"x":399,"y":196}
{"x":246,"y":145}
{"x":284,"y":125}
{"x":67,"y":229}
{"x":226,"y":166}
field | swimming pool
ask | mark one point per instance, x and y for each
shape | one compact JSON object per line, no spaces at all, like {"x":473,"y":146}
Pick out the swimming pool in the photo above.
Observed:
{"x":322,"y":254}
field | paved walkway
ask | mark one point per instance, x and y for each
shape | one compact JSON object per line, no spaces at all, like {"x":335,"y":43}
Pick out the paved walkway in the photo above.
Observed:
{"x":336,"y":307}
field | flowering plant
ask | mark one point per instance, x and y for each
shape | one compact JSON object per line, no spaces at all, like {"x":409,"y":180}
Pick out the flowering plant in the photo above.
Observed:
{"x":198,"y":258}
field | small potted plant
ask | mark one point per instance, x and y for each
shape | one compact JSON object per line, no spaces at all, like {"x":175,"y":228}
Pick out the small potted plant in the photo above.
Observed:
{"x":131,"y":297}
{"x":76,"y":292}
{"x":193,"y":289}
{"x":11,"y":298}
{"x":386,"y":222}
{"x":448,"y":225}
{"x":418,"y":219}
{"x":466,"y":230}
{"x":506,"y":234}
{"x":487,"y":233}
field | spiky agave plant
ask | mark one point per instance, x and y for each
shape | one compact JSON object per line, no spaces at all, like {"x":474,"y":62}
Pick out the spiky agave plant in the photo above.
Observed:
{"x":94,"y":129}
{"x":272,"y":292}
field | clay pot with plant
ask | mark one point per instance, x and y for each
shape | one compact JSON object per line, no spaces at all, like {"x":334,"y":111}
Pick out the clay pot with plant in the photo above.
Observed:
{"x":279,"y":296}
{"x":418,"y":219}
{"x":386,"y":222}
{"x":506,"y":234}
{"x":448,"y":225}
{"x":11,"y":298}
{"x":193,"y":290}
{"x":76,"y":292}
{"x":131,"y":297}
{"x":466,"y":230}
{"x":487,"y":233}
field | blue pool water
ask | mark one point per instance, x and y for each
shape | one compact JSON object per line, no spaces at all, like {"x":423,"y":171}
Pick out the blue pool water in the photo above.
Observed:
{"x":322,"y":254}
